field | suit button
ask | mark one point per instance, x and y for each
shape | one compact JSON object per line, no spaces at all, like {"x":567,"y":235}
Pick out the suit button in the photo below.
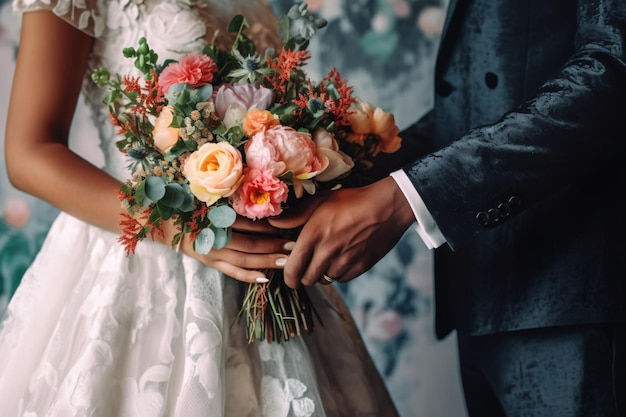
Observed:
{"x":482,"y":218}
{"x":444,"y":88}
{"x":494,"y":215}
{"x":491,"y":80}
{"x":515,"y":202}
{"x":504,"y":209}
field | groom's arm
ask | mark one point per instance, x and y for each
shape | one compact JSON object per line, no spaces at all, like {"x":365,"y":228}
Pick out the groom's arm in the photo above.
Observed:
{"x":568,"y":132}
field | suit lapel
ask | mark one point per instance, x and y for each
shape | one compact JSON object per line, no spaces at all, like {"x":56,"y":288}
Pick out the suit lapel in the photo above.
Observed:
{"x":451,"y":9}
{"x":444,"y":48}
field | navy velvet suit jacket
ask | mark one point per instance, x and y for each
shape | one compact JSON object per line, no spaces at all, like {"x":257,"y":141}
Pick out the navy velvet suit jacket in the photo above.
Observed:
{"x":527,"y":180}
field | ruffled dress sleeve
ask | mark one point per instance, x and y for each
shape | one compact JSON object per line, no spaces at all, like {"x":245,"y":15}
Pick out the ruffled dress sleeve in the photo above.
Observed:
{"x":87,"y":15}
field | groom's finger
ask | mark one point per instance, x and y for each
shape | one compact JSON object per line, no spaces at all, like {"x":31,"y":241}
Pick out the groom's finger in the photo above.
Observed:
{"x":297,"y":262}
{"x":298,"y":215}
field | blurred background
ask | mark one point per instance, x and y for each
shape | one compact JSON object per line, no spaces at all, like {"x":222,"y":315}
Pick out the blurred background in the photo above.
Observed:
{"x":386,"y":50}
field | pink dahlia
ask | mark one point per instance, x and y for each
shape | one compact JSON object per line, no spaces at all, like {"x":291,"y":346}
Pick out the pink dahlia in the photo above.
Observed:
{"x":260,"y":195}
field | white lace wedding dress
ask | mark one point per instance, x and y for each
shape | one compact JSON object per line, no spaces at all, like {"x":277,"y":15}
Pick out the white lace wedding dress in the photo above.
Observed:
{"x":91,"y":332}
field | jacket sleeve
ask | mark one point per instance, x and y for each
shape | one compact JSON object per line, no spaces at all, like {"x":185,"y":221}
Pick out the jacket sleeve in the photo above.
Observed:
{"x":570,"y":128}
{"x":416,"y":142}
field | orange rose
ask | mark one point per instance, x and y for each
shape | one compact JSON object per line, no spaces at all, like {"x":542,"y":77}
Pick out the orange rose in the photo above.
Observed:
{"x":214,"y":171}
{"x":165,"y":136}
{"x":258,"y":120}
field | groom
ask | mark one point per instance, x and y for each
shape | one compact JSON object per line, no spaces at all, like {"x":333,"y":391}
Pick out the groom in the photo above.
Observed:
{"x":524,"y":197}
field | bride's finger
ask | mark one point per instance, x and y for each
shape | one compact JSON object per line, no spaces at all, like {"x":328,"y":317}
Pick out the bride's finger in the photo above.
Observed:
{"x":240,"y":274}
{"x":233,"y":263}
{"x":256,"y":226}
{"x":242,"y":242}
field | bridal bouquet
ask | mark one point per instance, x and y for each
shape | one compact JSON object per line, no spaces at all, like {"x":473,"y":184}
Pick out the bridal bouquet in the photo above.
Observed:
{"x":229,"y":132}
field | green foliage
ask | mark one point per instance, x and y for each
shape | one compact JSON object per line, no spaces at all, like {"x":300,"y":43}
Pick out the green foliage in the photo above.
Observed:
{"x":222,"y":216}
{"x":204,"y":241}
{"x":145,"y":57}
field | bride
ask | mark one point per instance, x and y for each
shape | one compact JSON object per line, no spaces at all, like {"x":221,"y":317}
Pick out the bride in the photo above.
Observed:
{"x":92,"y":332}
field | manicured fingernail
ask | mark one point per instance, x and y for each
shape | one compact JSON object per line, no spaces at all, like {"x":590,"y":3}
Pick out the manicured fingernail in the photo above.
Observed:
{"x":281,"y":261}
{"x":262,"y":280}
{"x":289,"y":246}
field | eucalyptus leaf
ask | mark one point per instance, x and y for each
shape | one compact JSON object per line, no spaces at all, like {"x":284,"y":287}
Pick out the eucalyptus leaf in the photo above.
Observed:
{"x":284,"y":28}
{"x":204,"y":241}
{"x":174,"y":196}
{"x":188,"y":203}
{"x":166,"y":212}
{"x":222,"y":237}
{"x":174,"y":91}
{"x":222,"y":216}
{"x":154,"y":188}
{"x":205,"y":92}
{"x":183,"y":97}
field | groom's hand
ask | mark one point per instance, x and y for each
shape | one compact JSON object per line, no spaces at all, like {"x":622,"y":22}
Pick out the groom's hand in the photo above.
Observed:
{"x":345,"y":232}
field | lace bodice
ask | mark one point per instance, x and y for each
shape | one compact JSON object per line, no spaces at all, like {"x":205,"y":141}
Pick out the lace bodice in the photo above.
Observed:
{"x":172,"y":28}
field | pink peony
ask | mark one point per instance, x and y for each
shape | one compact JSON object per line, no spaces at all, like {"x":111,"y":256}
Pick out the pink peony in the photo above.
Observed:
{"x":248,"y":96}
{"x":260,"y":195}
{"x":281,"y":149}
{"x":193,"y":69}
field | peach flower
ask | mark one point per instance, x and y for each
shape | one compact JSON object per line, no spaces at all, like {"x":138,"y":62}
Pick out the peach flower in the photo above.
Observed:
{"x":339,"y":162}
{"x":282,"y":149}
{"x":165,"y":136}
{"x":261,"y":195}
{"x":366,"y":120}
{"x":194,"y":69}
{"x":258,"y":120}
{"x":215,"y":170}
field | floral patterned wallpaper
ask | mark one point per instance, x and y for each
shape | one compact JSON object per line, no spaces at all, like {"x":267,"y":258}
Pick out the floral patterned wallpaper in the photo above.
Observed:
{"x":386,"y":49}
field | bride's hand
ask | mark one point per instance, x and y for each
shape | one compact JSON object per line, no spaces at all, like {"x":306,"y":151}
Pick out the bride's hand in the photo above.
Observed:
{"x":255,"y":246}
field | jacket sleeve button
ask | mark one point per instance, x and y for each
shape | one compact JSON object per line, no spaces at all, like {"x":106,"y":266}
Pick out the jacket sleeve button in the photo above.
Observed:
{"x":482,"y":218}
{"x":515,"y":202}
{"x":494,"y":215}
{"x":504,"y":209}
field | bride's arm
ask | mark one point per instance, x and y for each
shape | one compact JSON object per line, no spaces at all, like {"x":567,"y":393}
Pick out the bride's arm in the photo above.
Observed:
{"x":51,"y":61}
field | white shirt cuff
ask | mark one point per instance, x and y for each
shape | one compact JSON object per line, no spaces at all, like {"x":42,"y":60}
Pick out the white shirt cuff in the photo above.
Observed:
{"x":425,"y":223}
